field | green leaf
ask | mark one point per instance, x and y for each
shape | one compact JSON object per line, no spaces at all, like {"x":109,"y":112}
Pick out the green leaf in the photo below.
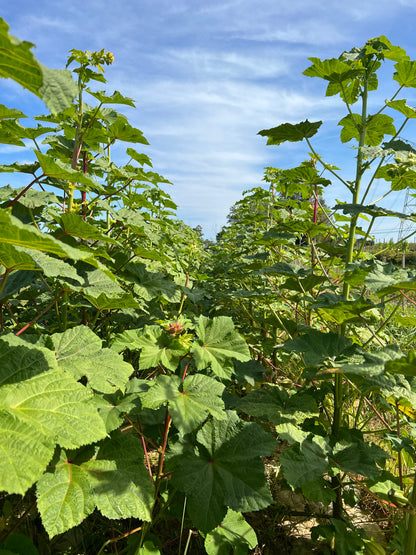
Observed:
{"x":115,"y":98}
{"x":405,"y":73}
{"x":112,"y":408}
{"x":18,"y":544}
{"x":25,"y":452}
{"x":276,"y":405}
{"x":16,"y":282}
{"x":119,"y":480}
{"x":39,"y":406}
{"x":217,"y":344}
{"x":345,"y":539}
{"x":123,"y":131}
{"x":157,"y":347}
{"x":405,"y":365}
{"x":290,"y":132}
{"x":223,"y":469}
{"x":149,"y":285}
{"x":76,"y":226}
{"x":373,"y":210}
{"x":402,"y":107}
{"x":113,"y":480}
{"x":318,"y":346}
{"x":58,"y":89}
{"x":96,"y":282}
{"x":332,"y":70}
{"x":376,"y":275}
{"x":285,"y":269}
{"x":10,"y":113}
{"x":14,"y":232}
{"x":63,"y":497}
{"x":58,"y":406}
{"x":19,"y":168}
{"x":371,"y":363}
{"x":19,"y":360}
{"x":139,"y":157}
{"x":104,"y":302}
{"x":234,"y":534}
{"x":250,"y":371}
{"x":359,"y":457}
{"x":305,"y":463}
{"x":400,"y":175}
{"x":377,"y":127}
{"x":13,"y":259}
{"x":17,"y":62}
{"x":56,"y":169}
{"x":291,"y":433}
{"x":190,"y":401}
{"x":338,"y":309}
{"x":79,"y":352}
{"x":52,"y":266}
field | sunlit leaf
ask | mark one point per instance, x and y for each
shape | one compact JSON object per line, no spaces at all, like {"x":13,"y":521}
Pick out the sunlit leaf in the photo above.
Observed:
{"x":190,"y":401}
{"x":233,"y":533}
{"x":217,"y":344}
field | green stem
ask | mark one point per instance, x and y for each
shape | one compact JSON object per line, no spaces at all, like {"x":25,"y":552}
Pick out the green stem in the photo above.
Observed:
{"x":410,"y":537}
{"x":337,"y":508}
{"x":77,"y":143}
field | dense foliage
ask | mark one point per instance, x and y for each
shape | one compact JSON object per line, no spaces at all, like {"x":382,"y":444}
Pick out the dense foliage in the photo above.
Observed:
{"x":146,"y":378}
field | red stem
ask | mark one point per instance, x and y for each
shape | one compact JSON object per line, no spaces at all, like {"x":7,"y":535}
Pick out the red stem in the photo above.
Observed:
{"x":186,"y":369}
{"x":165,"y":441}
{"x":24,"y":190}
{"x":146,"y":454}
{"x":40,"y":314}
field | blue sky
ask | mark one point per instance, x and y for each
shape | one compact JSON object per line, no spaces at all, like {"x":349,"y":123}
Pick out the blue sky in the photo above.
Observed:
{"x":207,"y":76}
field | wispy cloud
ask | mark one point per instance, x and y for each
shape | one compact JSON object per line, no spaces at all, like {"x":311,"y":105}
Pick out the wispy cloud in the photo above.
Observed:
{"x":207,"y":76}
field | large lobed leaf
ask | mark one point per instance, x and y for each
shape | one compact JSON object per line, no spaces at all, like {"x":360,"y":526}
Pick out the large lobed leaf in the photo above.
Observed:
{"x":79,"y":352}
{"x":157,"y":347}
{"x":275,"y":404}
{"x":56,"y":87}
{"x":223,"y":469}
{"x":111,"y":477}
{"x":217,"y":344}
{"x":190,"y":401}
{"x":290,"y":132}
{"x":40,"y":406}
{"x":233,"y":533}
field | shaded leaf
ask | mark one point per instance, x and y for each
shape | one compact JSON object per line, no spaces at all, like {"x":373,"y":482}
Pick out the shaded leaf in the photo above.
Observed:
{"x":318,"y":346}
{"x":277,"y":405}
{"x":223,"y":469}
{"x":290,"y":132}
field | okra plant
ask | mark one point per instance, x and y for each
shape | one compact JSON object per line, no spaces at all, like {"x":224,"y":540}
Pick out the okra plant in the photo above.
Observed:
{"x":112,"y":375}
{"x":317,"y":309}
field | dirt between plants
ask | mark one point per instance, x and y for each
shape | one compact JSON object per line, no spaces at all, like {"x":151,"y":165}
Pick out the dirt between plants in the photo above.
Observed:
{"x":285,"y":527}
